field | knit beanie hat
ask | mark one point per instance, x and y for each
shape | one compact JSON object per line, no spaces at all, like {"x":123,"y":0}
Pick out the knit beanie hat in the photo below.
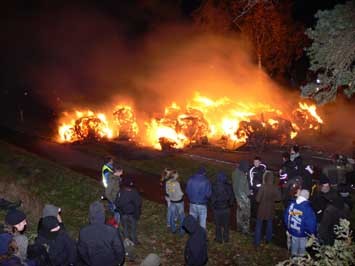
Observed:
{"x":49,"y":223}
{"x":323,"y":179}
{"x":14,"y":217}
{"x":151,"y":260}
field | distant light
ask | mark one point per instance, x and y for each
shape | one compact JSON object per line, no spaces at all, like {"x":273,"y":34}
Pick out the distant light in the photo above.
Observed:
{"x":318,"y":81}
{"x":317,"y":89}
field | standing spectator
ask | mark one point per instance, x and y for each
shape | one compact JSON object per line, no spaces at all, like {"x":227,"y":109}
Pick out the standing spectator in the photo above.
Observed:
{"x":198,"y":190}
{"x":129,"y":203}
{"x":165,"y":176}
{"x":288,"y":169}
{"x":196,"y":246}
{"x":300,"y":221}
{"x":241,"y":193}
{"x":113,"y":187}
{"x":296,"y":158}
{"x":61,"y":248}
{"x":222,"y":199}
{"x":322,"y":197}
{"x":16,"y":225}
{"x":267,"y":195}
{"x":256,"y":179}
{"x":335,"y":211}
{"x":100,"y":244}
{"x":50,"y":210}
{"x":176,"y":198}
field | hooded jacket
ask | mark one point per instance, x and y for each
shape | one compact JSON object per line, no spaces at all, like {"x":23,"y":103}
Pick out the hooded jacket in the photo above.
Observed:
{"x":240,"y":182}
{"x":62,"y":249}
{"x":196,"y":246}
{"x":198,"y":188}
{"x":100,"y":244}
{"x":267,"y":195}
{"x":300,"y":219}
{"x":222,"y":193}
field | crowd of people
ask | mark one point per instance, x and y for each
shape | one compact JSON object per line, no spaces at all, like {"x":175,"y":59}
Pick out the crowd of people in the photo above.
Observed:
{"x":311,"y":208}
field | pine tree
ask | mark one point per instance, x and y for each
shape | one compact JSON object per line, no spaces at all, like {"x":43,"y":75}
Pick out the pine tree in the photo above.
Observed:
{"x":332,"y":54}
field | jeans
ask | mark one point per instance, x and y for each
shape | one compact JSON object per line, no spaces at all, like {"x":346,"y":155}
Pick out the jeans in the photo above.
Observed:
{"x":177,"y":215}
{"x":129,"y":227}
{"x":221,"y":218}
{"x":168,"y":213}
{"x":200,"y":213}
{"x":298,"y":246}
{"x":258,"y":229}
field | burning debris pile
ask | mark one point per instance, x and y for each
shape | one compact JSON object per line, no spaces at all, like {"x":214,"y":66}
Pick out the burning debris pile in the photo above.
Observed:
{"x":221,"y":122}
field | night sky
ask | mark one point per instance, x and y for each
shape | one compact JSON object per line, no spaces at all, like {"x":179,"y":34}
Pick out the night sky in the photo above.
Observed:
{"x":24,"y":21}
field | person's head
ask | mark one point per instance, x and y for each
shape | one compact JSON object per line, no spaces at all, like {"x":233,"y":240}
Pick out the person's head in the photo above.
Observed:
{"x":304,"y":193}
{"x":16,"y":219}
{"x":166,"y":173}
{"x":50,"y":227}
{"x":221,"y":177}
{"x":295,"y":149}
{"x":128,"y":182}
{"x":324,"y":183}
{"x":118,"y":171}
{"x":257,"y":161}
{"x":109,"y":160}
{"x":243,"y":166}
{"x":51,"y":210}
{"x":285,"y":156}
{"x":201,"y":170}
{"x":174,"y":175}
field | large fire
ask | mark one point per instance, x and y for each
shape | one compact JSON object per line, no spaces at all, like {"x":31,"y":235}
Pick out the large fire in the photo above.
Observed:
{"x":222,"y":121}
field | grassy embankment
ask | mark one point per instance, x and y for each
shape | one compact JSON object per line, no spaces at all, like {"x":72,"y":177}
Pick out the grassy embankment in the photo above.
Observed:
{"x":37,"y":181}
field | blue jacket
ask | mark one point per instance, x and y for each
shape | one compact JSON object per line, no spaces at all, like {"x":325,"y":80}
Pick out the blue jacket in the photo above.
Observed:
{"x":198,"y":189}
{"x":300,"y":219}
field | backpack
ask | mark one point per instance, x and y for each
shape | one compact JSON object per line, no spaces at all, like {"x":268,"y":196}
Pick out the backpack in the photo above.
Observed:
{"x":39,"y":254}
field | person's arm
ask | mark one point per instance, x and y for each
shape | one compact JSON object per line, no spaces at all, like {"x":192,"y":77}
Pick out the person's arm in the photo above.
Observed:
{"x":259,"y":195}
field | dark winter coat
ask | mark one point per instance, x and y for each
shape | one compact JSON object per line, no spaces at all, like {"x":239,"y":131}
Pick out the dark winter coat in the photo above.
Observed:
{"x":100,"y":244}
{"x":267,"y":195}
{"x":288,"y":167}
{"x":222,"y":193}
{"x":129,"y":202}
{"x":332,"y":214}
{"x":62,"y":249}
{"x":198,"y":188}
{"x":196,"y":246}
{"x":320,"y":201}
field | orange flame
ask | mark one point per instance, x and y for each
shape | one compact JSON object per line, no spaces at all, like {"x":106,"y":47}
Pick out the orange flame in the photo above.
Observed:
{"x":199,"y":120}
